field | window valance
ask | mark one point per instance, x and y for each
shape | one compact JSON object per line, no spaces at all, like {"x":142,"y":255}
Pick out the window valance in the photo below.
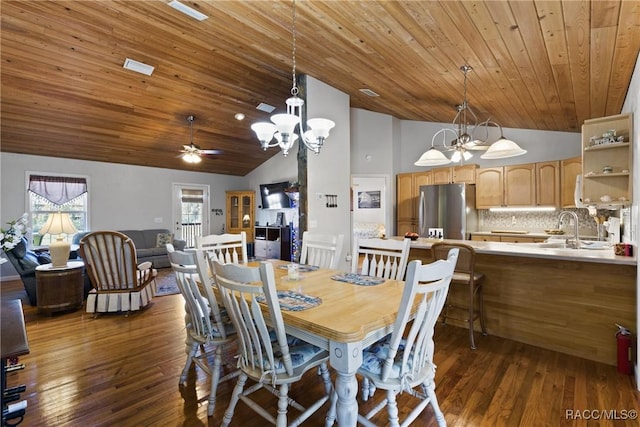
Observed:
{"x":57,"y":189}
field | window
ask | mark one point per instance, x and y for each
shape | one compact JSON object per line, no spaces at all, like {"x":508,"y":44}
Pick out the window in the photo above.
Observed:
{"x":49,"y":194}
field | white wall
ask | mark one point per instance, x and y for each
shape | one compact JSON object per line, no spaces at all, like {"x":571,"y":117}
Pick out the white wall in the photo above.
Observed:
{"x":632,"y":105}
{"x":120,"y":196}
{"x":329,"y":172}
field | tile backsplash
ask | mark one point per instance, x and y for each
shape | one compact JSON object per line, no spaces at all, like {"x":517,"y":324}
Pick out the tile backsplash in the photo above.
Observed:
{"x":534,"y":222}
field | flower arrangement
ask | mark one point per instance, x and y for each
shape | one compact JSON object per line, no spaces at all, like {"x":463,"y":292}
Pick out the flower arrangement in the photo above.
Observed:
{"x":10,"y":237}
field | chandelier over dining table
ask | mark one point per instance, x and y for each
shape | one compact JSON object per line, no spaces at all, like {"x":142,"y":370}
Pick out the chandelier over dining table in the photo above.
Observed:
{"x":281,"y":132}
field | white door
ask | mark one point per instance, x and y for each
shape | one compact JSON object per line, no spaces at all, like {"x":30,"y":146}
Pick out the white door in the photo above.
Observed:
{"x":190,"y":212}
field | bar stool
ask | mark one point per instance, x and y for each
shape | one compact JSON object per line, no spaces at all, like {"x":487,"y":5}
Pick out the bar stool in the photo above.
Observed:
{"x":466,"y":275}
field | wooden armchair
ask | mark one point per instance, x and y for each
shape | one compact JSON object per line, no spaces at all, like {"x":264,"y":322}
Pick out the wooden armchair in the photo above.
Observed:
{"x":120,"y":284}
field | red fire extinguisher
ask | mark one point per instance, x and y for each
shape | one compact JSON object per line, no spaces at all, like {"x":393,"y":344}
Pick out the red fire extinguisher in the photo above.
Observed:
{"x":623,"y":338}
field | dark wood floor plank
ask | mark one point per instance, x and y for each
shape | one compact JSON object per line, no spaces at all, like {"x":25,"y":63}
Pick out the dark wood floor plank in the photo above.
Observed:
{"x":117,"y":370}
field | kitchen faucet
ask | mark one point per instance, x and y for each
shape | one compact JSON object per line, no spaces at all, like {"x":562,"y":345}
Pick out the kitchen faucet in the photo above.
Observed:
{"x":576,"y":243}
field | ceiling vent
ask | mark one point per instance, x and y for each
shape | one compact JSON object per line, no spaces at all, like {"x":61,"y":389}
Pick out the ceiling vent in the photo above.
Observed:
{"x":265,"y":107}
{"x":369,"y":92}
{"x":138,"y":67}
{"x":189,"y":11}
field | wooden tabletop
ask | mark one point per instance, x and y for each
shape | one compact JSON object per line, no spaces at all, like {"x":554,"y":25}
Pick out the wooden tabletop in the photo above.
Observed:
{"x":348,"y":312}
{"x":13,"y":340}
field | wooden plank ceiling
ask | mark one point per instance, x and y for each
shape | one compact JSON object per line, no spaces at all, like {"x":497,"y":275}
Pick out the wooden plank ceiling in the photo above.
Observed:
{"x":545,"y":65}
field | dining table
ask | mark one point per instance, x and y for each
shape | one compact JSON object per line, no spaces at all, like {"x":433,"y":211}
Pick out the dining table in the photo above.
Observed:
{"x":348,"y":318}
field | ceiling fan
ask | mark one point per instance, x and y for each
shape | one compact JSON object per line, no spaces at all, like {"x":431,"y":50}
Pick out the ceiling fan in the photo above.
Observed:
{"x":192,"y":153}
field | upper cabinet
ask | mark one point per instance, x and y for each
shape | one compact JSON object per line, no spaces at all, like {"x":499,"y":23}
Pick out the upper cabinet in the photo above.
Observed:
{"x":607,"y":160}
{"x":548,"y":183}
{"x":529,"y":184}
{"x":569,"y":170}
{"x":455,"y":174}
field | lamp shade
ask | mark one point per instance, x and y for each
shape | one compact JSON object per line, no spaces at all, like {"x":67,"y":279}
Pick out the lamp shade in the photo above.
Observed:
{"x":502,"y":149}
{"x":57,"y":224}
{"x":432,"y":157}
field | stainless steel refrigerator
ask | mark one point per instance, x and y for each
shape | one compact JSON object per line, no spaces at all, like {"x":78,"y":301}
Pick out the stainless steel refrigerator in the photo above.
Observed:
{"x":449,"y":208}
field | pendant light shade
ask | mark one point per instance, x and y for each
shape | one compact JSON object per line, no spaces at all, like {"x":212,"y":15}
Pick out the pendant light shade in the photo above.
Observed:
{"x":432,"y":157}
{"x":503,"y":149}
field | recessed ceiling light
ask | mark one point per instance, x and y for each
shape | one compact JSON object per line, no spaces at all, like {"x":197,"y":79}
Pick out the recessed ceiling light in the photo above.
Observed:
{"x":187,"y":10}
{"x":369,"y":92}
{"x":239,"y":116}
{"x":265,"y":107}
{"x":138,"y":67}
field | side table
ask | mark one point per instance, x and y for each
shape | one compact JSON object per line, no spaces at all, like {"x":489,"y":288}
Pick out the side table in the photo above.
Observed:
{"x":60,"y":288}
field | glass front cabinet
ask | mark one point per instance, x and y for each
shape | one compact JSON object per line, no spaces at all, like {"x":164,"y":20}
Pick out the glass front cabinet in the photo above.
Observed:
{"x":240,"y":212}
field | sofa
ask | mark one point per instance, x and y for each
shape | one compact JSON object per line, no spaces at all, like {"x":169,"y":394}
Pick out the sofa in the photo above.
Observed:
{"x":150,"y":245}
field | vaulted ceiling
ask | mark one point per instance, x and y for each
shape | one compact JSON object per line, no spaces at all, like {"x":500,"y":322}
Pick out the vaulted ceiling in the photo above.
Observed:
{"x":545,"y":65}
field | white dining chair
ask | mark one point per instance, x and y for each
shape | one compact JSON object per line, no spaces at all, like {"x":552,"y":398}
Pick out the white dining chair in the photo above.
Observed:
{"x":208,"y":331}
{"x":380,"y":257}
{"x":403,"y":361}
{"x":322,"y":250}
{"x":267,"y":355}
{"x":224,"y":247}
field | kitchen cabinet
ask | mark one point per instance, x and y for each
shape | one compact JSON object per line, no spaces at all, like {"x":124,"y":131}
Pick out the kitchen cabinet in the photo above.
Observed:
{"x":547,"y":176}
{"x":569,"y":170}
{"x":464,"y":174}
{"x":484,"y":238}
{"x":529,"y":184}
{"x":407,"y":189}
{"x":489,"y":187}
{"x":506,"y":239}
{"x":519,"y":185}
{"x":607,"y":160}
{"x":441,"y":176}
{"x":273,"y":243}
{"x":240,"y":212}
{"x":455,"y":174}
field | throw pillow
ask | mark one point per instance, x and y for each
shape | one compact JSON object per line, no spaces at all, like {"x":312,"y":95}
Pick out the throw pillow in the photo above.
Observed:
{"x":162,"y":239}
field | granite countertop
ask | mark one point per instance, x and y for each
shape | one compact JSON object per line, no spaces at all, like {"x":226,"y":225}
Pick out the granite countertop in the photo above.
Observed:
{"x":535,"y":250}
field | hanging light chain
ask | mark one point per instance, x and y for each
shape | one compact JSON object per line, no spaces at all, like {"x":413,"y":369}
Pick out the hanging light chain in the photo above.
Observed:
{"x":294,"y":88}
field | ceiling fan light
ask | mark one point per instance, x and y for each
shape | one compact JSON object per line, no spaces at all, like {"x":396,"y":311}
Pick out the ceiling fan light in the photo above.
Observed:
{"x":191,"y":158}
{"x":459,"y":156}
{"x":432,"y":157}
{"x":502,"y":149}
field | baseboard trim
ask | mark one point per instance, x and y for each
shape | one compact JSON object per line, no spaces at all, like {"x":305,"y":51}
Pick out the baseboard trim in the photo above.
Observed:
{"x":9,"y":278}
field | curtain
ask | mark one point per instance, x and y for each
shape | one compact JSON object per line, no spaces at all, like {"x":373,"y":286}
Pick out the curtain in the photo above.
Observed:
{"x":192,"y":196}
{"x":57,"y":189}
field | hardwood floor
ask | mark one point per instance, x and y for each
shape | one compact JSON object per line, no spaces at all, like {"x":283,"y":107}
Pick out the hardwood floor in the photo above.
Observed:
{"x":123,"y":371}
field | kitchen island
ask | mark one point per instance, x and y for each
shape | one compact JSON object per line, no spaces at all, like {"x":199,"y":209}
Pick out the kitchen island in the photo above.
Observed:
{"x":566,"y":300}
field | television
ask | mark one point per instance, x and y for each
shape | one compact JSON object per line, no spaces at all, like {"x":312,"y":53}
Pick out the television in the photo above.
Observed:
{"x":273,"y":195}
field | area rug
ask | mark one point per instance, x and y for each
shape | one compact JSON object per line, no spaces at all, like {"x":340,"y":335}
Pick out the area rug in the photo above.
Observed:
{"x":166,"y":282}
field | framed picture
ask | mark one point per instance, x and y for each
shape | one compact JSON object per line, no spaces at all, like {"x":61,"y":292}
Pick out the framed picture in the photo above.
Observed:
{"x":369,"y":199}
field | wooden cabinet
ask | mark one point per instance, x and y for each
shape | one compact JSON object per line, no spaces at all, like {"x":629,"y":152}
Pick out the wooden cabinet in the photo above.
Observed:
{"x":464,"y":174}
{"x":273,"y":243}
{"x":529,"y":184}
{"x":407,"y":189}
{"x":489,"y":187}
{"x":484,"y":238}
{"x":241,"y":212}
{"x":441,"y":176}
{"x":548,"y":183}
{"x":607,"y":163}
{"x":569,"y":170}
{"x":519,"y":185}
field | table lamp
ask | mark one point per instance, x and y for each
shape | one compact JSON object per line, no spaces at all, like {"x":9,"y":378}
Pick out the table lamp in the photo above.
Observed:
{"x":58,"y":224}
{"x":246,"y":220}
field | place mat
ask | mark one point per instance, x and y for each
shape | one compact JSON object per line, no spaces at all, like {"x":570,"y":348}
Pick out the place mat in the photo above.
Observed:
{"x":301,"y":267}
{"x":294,"y":301}
{"x":358,"y":279}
